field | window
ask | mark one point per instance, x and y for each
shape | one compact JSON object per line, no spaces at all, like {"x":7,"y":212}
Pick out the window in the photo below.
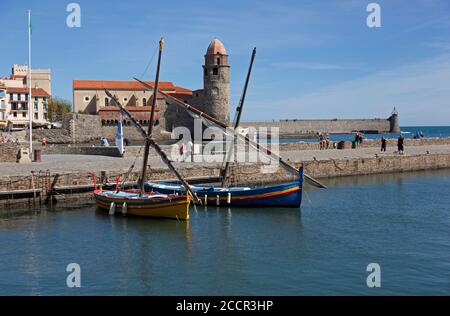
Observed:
{"x":35,"y":99}
{"x":106,"y":102}
{"x":144,"y":102}
{"x":15,"y":114}
{"x":218,"y":60}
{"x":24,"y":114}
{"x":10,"y":96}
{"x":215,"y":71}
{"x":125,"y":99}
{"x":215,"y":90}
{"x":44,"y":106}
{"x":36,"y":107}
{"x":45,"y":116}
{"x":86,"y":98}
{"x":36,"y":116}
{"x":206,"y":72}
{"x":44,"y":99}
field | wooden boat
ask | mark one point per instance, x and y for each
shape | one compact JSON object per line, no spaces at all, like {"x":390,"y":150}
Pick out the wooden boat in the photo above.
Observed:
{"x":138,"y":202}
{"x":281,"y":195}
{"x":284,"y":195}
{"x":148,"y":205}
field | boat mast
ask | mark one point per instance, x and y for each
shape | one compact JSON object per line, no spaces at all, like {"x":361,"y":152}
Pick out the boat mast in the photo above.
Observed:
{"x":150,"y":124}
{"x":224,"y":171}
{"x":196,"y":111}
{"x":158,"y":149}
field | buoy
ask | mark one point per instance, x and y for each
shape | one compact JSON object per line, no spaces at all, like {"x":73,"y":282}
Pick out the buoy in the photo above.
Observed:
{"x":206,"y":199}
{"x":112,"y":208}
{"x":218,"y":200}
{"x":124,"y":208}
{"x":229,"y":198}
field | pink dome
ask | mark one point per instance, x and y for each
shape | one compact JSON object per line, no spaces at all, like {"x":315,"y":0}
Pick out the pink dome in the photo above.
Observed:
{"x":216,"y":47}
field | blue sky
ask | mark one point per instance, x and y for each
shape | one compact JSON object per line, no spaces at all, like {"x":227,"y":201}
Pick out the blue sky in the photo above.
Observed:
{"x":315,"y":59}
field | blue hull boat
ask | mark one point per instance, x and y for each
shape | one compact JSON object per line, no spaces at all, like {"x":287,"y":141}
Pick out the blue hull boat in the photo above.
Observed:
{"x":281,"y":195}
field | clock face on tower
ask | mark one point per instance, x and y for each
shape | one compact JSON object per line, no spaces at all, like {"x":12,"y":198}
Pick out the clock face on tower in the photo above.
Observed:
{"x":214,"y":91}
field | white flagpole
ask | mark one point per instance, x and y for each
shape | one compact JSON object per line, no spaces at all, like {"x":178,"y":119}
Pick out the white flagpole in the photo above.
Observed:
{"x":30,"y":108}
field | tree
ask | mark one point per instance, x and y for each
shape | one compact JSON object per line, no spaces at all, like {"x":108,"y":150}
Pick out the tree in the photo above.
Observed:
{"x":57,"y":107}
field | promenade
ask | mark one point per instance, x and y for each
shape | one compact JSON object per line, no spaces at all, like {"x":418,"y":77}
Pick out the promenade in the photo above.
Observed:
{"x":88,"y":163}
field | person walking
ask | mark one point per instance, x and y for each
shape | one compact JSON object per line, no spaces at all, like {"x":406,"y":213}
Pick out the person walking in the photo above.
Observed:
{"x":43,"y":141}
{"x":181,"y":151}
{"x":189,"y":150}
{"x":400,"y":145}
{"x":383,"y":144}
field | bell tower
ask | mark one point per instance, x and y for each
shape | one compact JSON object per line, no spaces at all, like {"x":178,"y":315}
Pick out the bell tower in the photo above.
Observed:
{"x":216,"y":82}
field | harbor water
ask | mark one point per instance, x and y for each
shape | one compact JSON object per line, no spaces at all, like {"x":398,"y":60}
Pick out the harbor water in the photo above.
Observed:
{"x":399,"y":221}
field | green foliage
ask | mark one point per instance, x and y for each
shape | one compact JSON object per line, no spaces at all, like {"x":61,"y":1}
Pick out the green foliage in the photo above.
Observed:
{"x":57,"y":107}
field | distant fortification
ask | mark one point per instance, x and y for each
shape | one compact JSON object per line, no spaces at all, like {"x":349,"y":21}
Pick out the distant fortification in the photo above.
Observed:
{"x":304,"y":127}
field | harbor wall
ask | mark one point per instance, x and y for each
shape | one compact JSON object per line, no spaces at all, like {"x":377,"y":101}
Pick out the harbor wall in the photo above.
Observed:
{"x":131,"y":151}
{"x":8,"y":153}
{"x":299,"y":127}
{"x":69,"y":183}
{"x":83,"y":128}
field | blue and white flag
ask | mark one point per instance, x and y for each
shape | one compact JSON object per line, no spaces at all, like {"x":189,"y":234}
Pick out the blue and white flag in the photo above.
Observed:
{"x":119,"y":135}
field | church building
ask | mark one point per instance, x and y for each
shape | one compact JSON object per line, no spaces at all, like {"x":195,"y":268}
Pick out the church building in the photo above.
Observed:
{"x":214,"y":99}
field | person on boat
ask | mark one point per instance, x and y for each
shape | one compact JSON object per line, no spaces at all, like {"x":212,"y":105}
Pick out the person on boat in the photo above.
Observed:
{"x":383,"y":144}
{"x":400,"y":145}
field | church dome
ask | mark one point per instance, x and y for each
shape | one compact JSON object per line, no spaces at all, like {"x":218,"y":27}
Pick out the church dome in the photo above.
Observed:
{"x":216,"y":47}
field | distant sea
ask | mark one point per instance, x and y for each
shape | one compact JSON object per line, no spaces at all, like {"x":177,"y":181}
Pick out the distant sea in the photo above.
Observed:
{"x":407,"y":131}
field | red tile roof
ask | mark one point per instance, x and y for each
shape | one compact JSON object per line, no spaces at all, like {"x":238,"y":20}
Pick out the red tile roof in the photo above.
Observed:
{"x":140,"y":113}
{"x":129,"y":108}
{"x":166,"y":86}
{"x":36,"y":92}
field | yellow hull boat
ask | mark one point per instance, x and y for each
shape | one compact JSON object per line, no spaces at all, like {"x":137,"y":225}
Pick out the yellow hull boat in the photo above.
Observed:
{"x":148,"y":205}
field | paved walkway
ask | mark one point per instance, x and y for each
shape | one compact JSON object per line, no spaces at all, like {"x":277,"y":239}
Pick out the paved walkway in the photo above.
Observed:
{"x":87,"y":163}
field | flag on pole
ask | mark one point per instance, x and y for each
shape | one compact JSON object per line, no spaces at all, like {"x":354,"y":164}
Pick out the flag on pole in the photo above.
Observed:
{"x":119,"y":135}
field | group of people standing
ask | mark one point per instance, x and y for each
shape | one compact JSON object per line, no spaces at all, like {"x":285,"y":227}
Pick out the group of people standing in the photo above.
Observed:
{"x":400,"y":144}
{"x":324,"y":141}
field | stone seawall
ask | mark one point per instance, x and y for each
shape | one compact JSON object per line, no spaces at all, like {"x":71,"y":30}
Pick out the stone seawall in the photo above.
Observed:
{"x":8,"y":153}
{"x":331,"y":126}
{"x":83,"y":128}
{"x":249,"y":174}
{"x":369,"y":143}
{"x":131,"y":151}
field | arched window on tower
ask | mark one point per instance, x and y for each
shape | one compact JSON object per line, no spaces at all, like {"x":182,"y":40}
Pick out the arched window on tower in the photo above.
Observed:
{"x":205,"y":72}
{"x":215,"y":71}
{"x":106,"y":102}
{"x":218,"y":60}
{"x":144,"y":102}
